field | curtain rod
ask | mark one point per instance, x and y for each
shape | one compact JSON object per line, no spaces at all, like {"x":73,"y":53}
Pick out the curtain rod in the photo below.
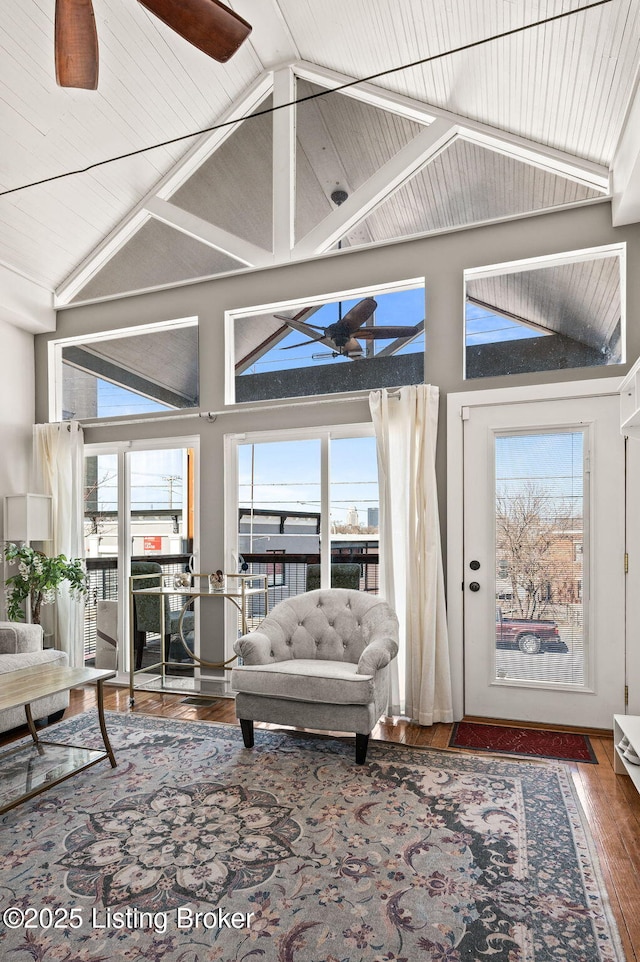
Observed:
{"x":237,"y":409}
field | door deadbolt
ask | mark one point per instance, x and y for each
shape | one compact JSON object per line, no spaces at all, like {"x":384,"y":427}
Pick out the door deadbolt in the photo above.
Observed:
{"x":474,"y":586}
{"x":474,"y":565}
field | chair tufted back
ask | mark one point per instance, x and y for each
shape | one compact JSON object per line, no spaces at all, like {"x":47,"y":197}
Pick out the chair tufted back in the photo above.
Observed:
{"x":334,"y":624}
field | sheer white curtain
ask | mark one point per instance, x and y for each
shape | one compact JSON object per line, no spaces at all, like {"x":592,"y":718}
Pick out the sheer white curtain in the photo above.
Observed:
{"x":411,"y":575}
{"x":58,"y":461}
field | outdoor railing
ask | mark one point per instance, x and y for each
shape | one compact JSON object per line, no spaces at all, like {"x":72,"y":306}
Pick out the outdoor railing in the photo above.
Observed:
{"x":287,"y":576}
{"x":102,"y":575}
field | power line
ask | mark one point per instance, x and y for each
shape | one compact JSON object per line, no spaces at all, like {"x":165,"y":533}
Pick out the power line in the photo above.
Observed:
{"x":301,"y":100}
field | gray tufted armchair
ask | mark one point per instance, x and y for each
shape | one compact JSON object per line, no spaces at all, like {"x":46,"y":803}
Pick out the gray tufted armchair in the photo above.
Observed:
{"x":318,"y":660}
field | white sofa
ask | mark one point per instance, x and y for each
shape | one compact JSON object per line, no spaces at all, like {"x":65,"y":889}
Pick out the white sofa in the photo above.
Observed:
{"x":21,"y":647}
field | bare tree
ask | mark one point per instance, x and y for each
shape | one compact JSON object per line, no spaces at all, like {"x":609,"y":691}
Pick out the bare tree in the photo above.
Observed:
{"x":531,"y":528}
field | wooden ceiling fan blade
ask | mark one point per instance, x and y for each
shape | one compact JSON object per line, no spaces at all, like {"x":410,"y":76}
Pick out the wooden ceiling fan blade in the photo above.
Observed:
{"x":208,"y":24}
{"x":76,"y":44}
{"x":359,"y":314}
{"x":311,"y":340}
{"x":371,"y":333}
{"x":286,"y":319}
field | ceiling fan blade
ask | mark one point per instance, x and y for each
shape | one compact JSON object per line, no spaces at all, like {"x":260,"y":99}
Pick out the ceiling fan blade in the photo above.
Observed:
{"x":358,"y":315}
{"x":208,"y":24}
{"x":371,"y":333}
{"x":283,"y":317}
{"x":76,"y":44}
{"x":311,"y":340}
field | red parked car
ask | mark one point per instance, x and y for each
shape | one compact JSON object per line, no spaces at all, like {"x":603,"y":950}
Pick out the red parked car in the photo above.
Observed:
{"x":530,"y":636}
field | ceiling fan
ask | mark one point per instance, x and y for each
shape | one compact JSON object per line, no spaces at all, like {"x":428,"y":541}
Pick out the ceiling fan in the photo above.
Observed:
{"x":342,"y":332}
{"x":207,"y":24}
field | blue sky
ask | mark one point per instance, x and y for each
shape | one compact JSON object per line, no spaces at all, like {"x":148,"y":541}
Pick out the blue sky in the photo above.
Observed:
{"x":114,"y":401}
{"x":553,"y":461}
{"x":287,"y":475}
{"x":484,"y":327}
{"x":156,"y":480}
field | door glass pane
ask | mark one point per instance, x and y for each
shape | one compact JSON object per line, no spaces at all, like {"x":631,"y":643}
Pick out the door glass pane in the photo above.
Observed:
{"x":162,"y":522}
{"x":354,"y":514}
{"x":161,"y":533}
{"x":540,"y":557}
{"x":279,"y":515}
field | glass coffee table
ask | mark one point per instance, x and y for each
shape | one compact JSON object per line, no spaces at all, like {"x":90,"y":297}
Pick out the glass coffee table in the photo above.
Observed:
{"x":27,"y":770}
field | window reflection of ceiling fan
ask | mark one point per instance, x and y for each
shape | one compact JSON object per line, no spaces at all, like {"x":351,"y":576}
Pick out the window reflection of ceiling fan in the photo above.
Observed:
{"x":341,"y":334}
{"x":207,"y":24}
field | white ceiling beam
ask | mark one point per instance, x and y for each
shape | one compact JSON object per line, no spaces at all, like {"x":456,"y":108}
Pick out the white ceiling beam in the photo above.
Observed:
{"x":284,"y":165}
{"x":24,"y":303}
{"x":200,"y":151}
{"x":399,"y":168}
{"x":540,"y":155}
{"x":208,"y":233}
{"x":557,"y":162}
{"x":270,"y":37}
{"x":366,"y":92}
{"x":625,"y":205}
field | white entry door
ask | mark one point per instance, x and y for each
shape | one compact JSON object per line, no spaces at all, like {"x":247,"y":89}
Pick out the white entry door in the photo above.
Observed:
{"x":544,"y":599}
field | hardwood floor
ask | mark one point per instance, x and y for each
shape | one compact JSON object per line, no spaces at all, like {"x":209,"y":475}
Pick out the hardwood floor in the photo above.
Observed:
{"x":610,"y":802}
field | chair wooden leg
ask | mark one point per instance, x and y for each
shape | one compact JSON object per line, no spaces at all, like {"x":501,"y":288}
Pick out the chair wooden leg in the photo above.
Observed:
{"x":247,"y":732}
{"x":362,"y":743}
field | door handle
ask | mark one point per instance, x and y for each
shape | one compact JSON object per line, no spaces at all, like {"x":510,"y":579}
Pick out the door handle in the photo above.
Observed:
{"x":474,"y":586}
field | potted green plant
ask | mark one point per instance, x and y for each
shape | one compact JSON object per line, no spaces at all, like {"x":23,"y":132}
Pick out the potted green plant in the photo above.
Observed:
{"x":39,"y":578}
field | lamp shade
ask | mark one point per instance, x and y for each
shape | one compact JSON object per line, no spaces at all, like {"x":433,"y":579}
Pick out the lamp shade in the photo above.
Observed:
{"x":28,"y":517}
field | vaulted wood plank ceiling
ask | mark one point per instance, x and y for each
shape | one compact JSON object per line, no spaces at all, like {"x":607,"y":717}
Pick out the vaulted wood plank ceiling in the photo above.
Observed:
{"x":567,"y":85}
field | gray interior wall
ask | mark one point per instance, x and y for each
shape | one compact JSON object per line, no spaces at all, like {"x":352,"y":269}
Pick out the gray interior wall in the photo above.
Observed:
{"x":17,"y":390}
{"x":440,"y":260}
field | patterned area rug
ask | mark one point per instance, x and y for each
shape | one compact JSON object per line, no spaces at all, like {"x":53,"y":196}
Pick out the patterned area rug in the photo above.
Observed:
{"x":195,"y":849}
{"x":564,"y":746}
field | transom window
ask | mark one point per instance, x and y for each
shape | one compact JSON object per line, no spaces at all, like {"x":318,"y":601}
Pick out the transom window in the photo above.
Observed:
{"x":357,"y":340}
{"x":546,"y":314}
{"x":140,"y":370}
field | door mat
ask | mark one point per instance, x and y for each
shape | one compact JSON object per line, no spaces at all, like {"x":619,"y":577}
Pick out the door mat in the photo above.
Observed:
{"x":201,"y":700}
{"x":541,"y":743}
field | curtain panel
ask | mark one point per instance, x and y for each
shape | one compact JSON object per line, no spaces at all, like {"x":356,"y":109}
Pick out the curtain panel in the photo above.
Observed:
{"x":411,"y":574}
{"x":58,"y":462}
